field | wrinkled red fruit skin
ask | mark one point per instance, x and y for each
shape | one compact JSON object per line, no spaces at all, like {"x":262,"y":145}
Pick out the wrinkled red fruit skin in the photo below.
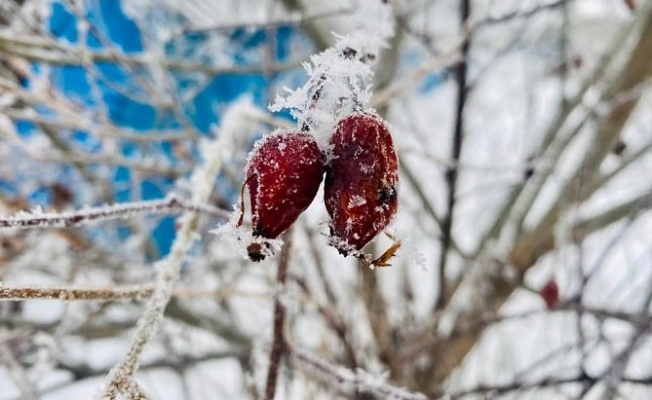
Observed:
{"x":361,"y":184}
{"x":550,"y":293}
{"x":283,"y":175}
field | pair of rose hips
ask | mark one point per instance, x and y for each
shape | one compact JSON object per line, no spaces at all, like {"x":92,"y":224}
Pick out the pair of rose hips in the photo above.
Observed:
{"x":360,"y":191}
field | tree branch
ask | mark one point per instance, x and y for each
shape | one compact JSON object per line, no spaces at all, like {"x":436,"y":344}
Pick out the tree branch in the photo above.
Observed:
{"x":279,"y":344}
{"x":38,"y":50}
{"x":456,"y":150}
{"x":349,"y":382}
{"x":74,"y":219}
{"x":169,"y":268}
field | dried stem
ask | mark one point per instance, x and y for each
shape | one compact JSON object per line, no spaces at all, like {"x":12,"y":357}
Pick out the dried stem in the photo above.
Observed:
{"x":113,"y":293}
{"x":68,"y":294}
{"x":279,"y":344}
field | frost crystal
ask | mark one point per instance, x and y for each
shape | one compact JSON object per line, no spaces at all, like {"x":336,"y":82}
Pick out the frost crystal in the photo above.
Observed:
{"x":339,"y":78}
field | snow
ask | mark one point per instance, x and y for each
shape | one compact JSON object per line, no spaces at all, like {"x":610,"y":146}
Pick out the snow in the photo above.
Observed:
{"x":356,"y":201}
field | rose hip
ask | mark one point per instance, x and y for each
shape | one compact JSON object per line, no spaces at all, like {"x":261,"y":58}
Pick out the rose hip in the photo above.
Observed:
{"x":283,"y":175}
{"x":360,"y":191}
{"x":550,"y":293}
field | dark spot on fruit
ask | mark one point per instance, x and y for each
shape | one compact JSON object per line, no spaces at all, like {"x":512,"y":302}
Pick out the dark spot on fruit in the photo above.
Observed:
{"x":387,"y":194}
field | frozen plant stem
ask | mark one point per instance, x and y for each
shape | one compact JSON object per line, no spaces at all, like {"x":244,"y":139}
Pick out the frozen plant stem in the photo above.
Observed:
{"x":168,"y":272}
{"x":117,"y":293}
{"x":279,"y":345}
{"x":78,"y":218}
{"x":69,"y":294}
{"x":452,"y":170}
{"x":120,"y":379}
{"x":349,"y":382}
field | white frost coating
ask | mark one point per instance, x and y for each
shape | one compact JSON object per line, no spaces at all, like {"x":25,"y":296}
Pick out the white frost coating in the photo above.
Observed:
{"x":344,"y":82}
{"x":356,"y":201}
{"x":350,"y":382}
{"x":214,"y":153}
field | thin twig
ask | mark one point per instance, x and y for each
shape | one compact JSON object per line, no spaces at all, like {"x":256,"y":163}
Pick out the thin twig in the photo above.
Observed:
{"x":456,"y":151}
{"x":279,"y":344}
{"x":73,"y":219}
{"x":447,"y":58}
{"x":151,"y":166}
{"x":349,"y":382}
{"x":35,"y":49}
{"x":428,"y":338}
{"x":17,"y":373}
{"x":519,"y":199}
{"x":96,"y":128}
{"x":291,"y":20}
{"x":117,"y":293}
{"x":497,"y":390}
{"x":169,"y":268}
{"x":519,"y":14}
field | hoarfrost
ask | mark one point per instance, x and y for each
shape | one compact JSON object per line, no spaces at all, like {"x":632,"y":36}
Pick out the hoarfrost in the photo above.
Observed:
{"x":356,"y":201}
{"x":242,"y":237}
{"x":339,"y":78}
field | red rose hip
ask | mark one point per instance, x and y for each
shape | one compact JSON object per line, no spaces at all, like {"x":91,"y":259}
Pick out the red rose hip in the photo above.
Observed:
{"x":360,"y":191}
{"x":550,"y":293}
{"x":283,"y":175}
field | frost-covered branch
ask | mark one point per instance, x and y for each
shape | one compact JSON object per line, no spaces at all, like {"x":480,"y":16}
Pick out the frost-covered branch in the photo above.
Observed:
{"x":151,"y":166}
{"x":70,"y":294}
{"x":95,"y":127}
{"x":37,"y":50}
{"x":15,"y":293}
{"x":498,"y":390}
{"x":520,"y":14}
{"x":339,"y":78}
{"x":350,"y":382}
{"x":215,"y":153}
{"x":492,"y":391}
{"x":449,"y":57}
{"x":451,"y":175}
{"x":73,"y":219}
{"x":292,"y":19}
